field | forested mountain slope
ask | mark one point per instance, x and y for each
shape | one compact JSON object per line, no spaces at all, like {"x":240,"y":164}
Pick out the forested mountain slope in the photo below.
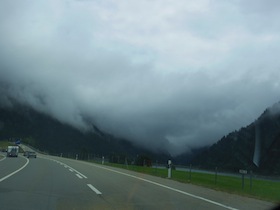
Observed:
{"x":255,"y":147}
{"x":54,"y":137}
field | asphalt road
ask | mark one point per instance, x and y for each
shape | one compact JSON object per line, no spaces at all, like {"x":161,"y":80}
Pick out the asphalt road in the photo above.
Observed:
{"x":49,"y":182}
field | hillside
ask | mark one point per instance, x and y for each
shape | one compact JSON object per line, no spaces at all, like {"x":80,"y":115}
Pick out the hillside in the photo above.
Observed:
{"x":54,"y":137}
{"x":255,"y":147}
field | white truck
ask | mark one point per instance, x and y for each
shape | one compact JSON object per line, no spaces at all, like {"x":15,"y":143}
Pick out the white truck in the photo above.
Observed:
{"x":12,"y":151}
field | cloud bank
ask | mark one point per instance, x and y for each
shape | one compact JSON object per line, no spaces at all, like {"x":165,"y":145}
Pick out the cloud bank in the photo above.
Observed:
{"x":169,"y":75}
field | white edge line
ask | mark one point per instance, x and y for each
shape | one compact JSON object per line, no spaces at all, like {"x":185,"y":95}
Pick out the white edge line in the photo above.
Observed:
{"x":79,"y":176}
{"x":11,"y":174}
{"x":94,"y":189}
{"x":71,"y":170}
{"x":170,"y":188}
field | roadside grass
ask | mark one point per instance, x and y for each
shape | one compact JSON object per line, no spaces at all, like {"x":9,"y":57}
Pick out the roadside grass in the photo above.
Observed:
{"x":258,"y":188}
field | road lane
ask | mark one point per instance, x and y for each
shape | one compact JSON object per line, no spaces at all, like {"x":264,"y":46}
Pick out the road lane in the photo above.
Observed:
{"x":45,"y":185}
{"x":11,"y":165}
{"x":122,"y":189}
{"x":2,"y":156}
{"x":49,"y":182}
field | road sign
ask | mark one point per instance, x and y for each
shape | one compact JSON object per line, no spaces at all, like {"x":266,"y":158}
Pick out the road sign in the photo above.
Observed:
{"x":241,"y":171}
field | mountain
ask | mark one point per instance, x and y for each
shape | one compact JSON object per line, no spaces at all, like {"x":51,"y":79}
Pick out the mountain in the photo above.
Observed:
{"x":255,"y":147}
{"x":53,"y":137}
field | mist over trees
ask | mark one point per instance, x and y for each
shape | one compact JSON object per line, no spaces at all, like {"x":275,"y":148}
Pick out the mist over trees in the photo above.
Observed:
{"x":238,"y":149}
{"x":53,"y":137}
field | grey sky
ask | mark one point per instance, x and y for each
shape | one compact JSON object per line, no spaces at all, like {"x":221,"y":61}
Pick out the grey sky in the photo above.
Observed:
{"x":168,"y":74}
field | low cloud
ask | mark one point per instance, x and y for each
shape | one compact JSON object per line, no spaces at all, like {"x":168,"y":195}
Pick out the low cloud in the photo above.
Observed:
{"x":172,"y":83}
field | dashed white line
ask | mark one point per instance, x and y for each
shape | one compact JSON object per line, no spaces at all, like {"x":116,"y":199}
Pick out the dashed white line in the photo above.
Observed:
{"x":77,"y":172}
{"x":66,"y":166}
{"x":94,"y":189}
{"x":79,"y":176}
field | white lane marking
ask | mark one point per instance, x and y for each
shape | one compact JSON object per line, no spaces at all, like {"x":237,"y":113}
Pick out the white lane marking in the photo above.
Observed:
{"x":170,"y":188}
{"x":78,"y":172}
{"x":66,"y":166}
{"x":79,"y":176}
{"x":4,"y":157}
{"x":16,"y":171}
{"x":94,"y":189}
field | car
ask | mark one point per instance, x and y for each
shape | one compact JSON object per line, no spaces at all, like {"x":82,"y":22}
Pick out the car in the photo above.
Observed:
{"x":31,"y":154}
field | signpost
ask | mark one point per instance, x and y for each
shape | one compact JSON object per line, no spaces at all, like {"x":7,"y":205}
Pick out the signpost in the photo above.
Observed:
{"x":243,"y":172}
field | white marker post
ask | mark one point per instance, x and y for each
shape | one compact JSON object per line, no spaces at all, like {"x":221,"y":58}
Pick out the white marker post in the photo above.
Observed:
{"x":169,"y":169}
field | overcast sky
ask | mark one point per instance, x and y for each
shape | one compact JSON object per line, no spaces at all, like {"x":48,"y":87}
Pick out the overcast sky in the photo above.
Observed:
{"x":166,"y":74}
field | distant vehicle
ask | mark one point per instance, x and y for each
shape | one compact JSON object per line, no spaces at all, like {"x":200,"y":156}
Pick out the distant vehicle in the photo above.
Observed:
{"x":12,"y":151}
{"x":31,"y":154}
{"x":25,"y":153}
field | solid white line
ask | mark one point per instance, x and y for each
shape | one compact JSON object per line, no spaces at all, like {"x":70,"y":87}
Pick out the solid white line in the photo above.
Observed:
{"x":4,"y":157}
{"x":94,"y":189}
{"x":79,"y":176}
{"x":170,"y":188}
{"x":71,"y":170}
{"x":11,"y":174}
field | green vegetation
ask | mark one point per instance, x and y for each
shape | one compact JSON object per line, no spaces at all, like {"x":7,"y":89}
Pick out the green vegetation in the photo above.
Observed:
{"x":236,"y":150}
{"x":4,"y":145}
{"x":261,"y":189}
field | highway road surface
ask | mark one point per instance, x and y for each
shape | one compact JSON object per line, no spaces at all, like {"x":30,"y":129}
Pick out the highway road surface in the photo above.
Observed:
{"x":48,"y":182}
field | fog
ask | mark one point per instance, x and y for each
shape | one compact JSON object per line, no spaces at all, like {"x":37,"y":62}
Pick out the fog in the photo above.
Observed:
{"x":169,"y":75}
